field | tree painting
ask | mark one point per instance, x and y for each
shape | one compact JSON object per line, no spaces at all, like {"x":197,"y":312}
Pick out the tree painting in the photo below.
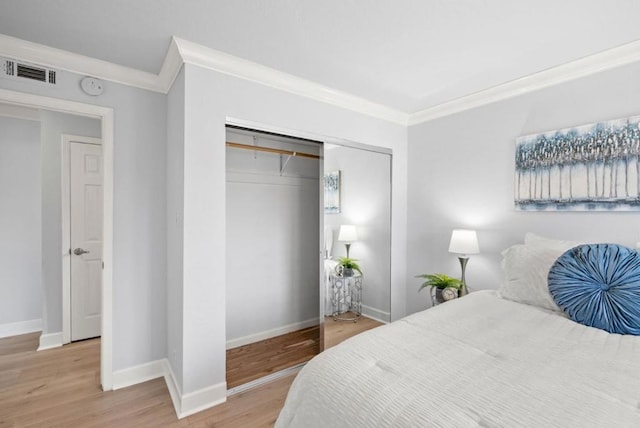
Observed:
{"x":590,"y":167}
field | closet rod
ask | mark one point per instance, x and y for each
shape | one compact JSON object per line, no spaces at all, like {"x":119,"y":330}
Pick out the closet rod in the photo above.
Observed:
{"x":271,"y":150}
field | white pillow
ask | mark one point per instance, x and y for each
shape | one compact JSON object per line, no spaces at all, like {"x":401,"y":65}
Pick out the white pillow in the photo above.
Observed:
{"x":525,"y":269}
{"x":552,"y":244}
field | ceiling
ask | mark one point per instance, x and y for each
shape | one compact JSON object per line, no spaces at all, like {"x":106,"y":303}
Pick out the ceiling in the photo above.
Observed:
{"x":405,"y":54}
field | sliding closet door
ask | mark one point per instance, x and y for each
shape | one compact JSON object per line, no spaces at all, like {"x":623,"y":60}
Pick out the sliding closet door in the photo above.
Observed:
{"x":359,"y":183}
{"x":272,"y":237}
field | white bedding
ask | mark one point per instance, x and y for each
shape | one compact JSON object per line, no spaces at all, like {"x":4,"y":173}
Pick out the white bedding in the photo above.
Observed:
{"x":479,"y":361}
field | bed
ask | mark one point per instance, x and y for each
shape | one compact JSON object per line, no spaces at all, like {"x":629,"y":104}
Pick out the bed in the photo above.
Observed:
{"x":505,"y":358}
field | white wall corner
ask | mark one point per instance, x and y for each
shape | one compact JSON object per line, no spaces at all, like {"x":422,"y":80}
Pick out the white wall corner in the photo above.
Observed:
{"x":193,"y":402}
{"x":20,"y":327}
{"x":50,"y":340}
{"x":138,"y":374}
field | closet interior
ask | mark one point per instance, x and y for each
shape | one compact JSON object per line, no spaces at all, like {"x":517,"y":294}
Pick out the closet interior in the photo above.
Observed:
{"x":273,"y":218}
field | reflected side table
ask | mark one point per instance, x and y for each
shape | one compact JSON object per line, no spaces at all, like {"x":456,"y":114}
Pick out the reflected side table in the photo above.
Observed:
{"x":346,"y":296}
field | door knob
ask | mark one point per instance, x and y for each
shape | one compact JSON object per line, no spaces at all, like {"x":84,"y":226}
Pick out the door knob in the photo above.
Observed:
{"x":80,"y":251}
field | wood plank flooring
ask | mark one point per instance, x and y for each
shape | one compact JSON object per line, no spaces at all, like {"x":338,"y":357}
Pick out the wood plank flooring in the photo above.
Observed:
{"x":338,"y":331}
{"x":259,"y":359}
{"x":61,"y":388}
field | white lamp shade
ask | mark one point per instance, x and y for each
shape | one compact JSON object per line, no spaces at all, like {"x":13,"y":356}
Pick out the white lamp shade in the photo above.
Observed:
{"x":347,"y":233}
{"x":464,"y":242}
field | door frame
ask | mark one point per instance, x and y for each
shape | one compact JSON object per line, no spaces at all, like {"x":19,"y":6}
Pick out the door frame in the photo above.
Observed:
{"x":106,"y":115}
{"x":66,"y":228}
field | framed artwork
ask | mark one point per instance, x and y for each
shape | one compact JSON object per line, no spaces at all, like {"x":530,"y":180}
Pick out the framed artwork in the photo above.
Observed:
{"x":585,"y":168}
{"x":332,"y":192}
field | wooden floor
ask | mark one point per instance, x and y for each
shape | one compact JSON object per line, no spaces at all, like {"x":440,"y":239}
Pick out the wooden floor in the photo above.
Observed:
{"x":259,"y":359}
{"x":338,"y":331}
{"x":61,"y":388}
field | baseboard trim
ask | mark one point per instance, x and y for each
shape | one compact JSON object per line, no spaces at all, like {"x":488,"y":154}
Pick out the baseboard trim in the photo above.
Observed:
{"x":203,"y":399}
{"x":50,"y":340}
{"x":172,"y":386}
{"x":138,"y":374}
{"x":20,"y":327}
{"x":267,"y":334}
{"x":376,"y":314}
{"x":196,"y":401}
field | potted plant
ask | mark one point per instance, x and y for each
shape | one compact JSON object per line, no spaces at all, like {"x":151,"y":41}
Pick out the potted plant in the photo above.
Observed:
{"x":346,"y":266}
{"x":440,"y":282}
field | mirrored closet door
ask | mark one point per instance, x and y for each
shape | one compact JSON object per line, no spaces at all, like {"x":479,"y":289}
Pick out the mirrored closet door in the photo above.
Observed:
{"x":272,"y":260}
{"x":357,"y":223}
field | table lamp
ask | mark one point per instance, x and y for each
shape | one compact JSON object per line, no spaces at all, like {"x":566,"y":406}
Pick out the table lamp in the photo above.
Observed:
{"x":463,"y":242}
{"x":347,"y":235}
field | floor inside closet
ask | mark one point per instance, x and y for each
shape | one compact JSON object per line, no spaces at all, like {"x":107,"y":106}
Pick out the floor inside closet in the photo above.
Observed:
{"x":255,"y":360}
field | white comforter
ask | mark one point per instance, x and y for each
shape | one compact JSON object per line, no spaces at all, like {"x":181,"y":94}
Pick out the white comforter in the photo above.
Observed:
{"x":480,"y":361}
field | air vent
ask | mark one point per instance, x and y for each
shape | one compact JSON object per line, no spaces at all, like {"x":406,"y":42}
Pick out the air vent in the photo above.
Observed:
{"x":39,"y":74}
{"x":17,"y":70}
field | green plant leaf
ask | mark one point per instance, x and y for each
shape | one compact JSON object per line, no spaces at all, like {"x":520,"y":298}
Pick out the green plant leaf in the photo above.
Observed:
{"x":439,"y":280}
{"x":349,"y":263}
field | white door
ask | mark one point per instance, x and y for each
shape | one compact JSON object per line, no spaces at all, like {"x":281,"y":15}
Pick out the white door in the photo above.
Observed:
{"x":86,"y":239}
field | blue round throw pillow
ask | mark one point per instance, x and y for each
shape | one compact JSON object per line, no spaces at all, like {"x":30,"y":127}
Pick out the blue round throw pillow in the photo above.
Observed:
{"x":598,"y":285}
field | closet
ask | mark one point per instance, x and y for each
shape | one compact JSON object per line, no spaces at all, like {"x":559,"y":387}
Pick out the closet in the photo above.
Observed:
{"x":273,"y":253}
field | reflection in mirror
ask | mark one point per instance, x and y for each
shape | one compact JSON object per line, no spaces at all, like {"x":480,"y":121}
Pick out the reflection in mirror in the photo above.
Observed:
{"x":272,"y":258}
{"x":357,"y":222}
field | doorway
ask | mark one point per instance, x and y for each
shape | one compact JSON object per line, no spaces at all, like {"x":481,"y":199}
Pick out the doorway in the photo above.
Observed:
{"x":82,"y":184}
{"x":106,"y":118}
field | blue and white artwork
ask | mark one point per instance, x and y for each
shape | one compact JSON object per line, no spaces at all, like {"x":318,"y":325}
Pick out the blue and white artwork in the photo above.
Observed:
{"x":332,"y":192}
{"x":589,"y":167}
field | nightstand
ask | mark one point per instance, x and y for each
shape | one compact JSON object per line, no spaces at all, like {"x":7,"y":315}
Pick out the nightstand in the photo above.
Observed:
{"x":346,"y":296}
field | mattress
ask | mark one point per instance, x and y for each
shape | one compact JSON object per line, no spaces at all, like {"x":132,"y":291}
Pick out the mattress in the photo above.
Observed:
{"x":478,"y":361}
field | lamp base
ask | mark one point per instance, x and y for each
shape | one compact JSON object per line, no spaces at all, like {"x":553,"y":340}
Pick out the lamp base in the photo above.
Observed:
{"x":463,"y":266}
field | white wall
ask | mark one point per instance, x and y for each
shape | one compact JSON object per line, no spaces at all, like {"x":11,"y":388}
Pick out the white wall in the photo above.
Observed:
{"x":175,"y":230}
{"x":461,"y":174}
{"x":210,"y":100}
{"x":53,"y":125}
{"x":20,"y":224}
{"x":365,"y":196}
{"x":139,"y":246}
{"x":272,"y":232}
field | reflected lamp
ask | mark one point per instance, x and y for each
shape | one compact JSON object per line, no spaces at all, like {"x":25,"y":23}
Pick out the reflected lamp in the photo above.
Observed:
{"x":348,"y":235}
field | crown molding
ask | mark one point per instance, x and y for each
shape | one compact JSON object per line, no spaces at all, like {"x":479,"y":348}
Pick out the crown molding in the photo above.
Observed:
{"x":181,"y":51}
{"x":221,"y":62}
{"x":586,"y":66}
{"x":170,"y":67}
{"x":58,"y":59}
